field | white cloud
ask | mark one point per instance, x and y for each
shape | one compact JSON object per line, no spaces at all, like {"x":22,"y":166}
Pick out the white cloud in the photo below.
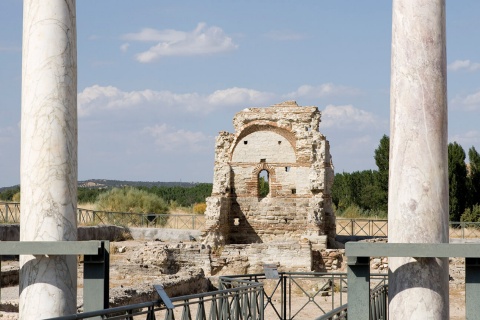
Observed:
{"x":169,"y":139}
{"x":154,"y":35}
{"x":285,"y":36}
{"x":468,"y":138}
{"x":124,"y":47}
{"x":349,"y":117}
{"x":469,"y":102}
{"x":464,"y":64}
{"x":202,"y":40}
{"x":321,"y":91}
{"x":97,"y":98}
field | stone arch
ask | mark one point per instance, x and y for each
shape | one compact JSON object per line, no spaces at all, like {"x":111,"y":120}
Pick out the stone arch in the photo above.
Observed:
{"x":256,"y":127}
{"x":271,"y":177}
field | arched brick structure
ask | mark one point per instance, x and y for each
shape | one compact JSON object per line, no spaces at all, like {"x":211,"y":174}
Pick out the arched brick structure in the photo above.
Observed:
{"x":284,"y":140}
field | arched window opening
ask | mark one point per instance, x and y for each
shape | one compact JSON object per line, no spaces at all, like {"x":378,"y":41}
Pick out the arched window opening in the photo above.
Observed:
{"x":263,"y":184}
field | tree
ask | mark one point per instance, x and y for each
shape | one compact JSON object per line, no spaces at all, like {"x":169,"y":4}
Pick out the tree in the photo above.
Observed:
{"x":382,"y":154}
{"x":474,"y":178}
{"x":457,"y":181}
{"x":263,"y":186}
{"x":8,"y":194}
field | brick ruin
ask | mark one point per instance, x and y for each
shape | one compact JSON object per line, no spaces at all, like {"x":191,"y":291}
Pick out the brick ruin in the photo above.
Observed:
{"x":281,"y":144}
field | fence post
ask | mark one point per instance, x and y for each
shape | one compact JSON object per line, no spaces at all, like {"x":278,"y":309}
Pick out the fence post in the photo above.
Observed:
{"x":472,"y":287}
{"x":358,"y":274}
{"x":96,"y":279}
{"x":352,"y":222}
{"x":284,"y":295}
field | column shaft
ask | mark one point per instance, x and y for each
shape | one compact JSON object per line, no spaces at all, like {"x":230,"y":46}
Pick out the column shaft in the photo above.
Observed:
{"x":418,"y":184}
{"x":48,"y":285}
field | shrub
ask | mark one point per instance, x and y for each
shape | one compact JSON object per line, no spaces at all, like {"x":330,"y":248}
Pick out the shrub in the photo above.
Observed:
{"x":471,"y":215}
{"x":16,"y":197}
{"x":131,"y":200}
{"x":355,"y":212}
{"x":199,"y":208}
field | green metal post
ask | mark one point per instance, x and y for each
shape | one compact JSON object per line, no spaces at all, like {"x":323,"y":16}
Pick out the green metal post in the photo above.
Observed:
{"x":96,"y":278}
{"x":284,"y":296}
{"x":472,"y":287}
{"x":358,"y":273}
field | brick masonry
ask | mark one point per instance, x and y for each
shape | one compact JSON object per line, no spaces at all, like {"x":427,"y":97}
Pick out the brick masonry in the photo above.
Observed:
{"x":283,"y":141}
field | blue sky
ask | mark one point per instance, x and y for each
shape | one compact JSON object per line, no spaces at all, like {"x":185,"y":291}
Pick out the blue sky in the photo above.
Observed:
{"x":157,"y":80}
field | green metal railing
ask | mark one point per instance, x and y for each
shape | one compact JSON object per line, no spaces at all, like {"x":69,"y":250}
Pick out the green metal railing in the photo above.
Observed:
{"x":378,"y":306}
{"x":358,"y":266}
{"x":238,"y":299}
{"x":253,"y":296}
{"x":305,"y":288}
{"x":96,"y":264}
{"x":339,"y":313}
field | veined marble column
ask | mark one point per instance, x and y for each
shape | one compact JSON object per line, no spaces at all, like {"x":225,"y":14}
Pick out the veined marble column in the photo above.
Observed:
{"x":48,"y":285}
{"x":418,"y":184}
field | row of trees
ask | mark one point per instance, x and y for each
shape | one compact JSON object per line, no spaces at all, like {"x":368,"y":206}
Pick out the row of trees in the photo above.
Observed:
{"x":367,"y":191}
{"x":176,"y":195}
{"x":364,"y":193}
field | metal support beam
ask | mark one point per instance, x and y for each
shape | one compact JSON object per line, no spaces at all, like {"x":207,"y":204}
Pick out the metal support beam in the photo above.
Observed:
{"x":358,"y":257}
{"x":418,"y":250}
{"x":49,"y":247}
{"x":96,"y":259}
{"x":472,"y":287}
{"x":358,"y":275}
{"x":96,"y":279}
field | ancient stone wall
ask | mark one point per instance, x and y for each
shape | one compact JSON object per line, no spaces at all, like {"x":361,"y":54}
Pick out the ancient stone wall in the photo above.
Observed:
{"x":283,"y":144}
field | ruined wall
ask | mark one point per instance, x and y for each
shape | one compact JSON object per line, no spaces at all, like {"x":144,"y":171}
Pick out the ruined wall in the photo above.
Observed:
{"x":284,"y":141}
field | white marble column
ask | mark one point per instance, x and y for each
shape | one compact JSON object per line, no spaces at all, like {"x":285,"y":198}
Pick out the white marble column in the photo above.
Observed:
{"x":418,"y":185}
{"x":48,"y":155}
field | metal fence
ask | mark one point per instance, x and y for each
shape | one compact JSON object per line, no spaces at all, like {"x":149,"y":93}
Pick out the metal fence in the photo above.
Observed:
{"x":300,"y":295}
{"x":238,"y":300}
{"x":362,"y":227}
{"x":379,"y":228}
{"x":290,"y":295}
{"x":144,"y":220}
{"x":10,"y":213}
{"x":378,"y":306}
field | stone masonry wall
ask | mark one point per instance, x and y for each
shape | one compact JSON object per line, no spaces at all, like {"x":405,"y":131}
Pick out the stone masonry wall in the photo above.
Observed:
{"x":283,"y":141}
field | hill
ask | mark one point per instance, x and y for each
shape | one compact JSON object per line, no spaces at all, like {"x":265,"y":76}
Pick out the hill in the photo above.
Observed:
{"x":104,"y":183}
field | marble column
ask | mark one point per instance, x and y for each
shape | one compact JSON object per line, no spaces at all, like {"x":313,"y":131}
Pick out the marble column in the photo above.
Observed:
{"x":48,"y":284}
{"x":418,"y":184}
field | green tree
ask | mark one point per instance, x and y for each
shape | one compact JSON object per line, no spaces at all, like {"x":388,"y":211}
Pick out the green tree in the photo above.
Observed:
{"x":341,"y":193}
{"x":473,"y":177}
{"x":8,"y":194}
{"x":263,"y":187}
{"x":457,"y":181}
{"x":471,"y":214}
{"x":382,"y":154}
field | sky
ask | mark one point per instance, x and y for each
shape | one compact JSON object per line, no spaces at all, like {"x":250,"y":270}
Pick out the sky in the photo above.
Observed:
{"x":157,"y":80}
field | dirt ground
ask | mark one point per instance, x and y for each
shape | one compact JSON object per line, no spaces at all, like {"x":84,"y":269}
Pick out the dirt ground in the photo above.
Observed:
{"x":123,"y":277}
